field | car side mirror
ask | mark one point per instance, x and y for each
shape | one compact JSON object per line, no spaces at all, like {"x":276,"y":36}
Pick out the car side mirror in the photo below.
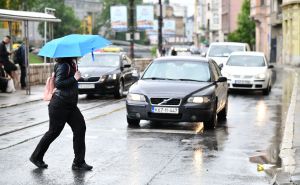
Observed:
{"x":221,"y":65}
{"x":203,"y":54}
{"x":222,"y":79}
{"x":270,"y":66}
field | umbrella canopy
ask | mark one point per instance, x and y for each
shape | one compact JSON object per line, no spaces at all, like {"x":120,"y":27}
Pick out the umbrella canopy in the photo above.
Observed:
{"x":74,"y":45}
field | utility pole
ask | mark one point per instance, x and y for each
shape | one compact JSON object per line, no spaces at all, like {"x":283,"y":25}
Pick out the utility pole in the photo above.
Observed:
{"x":196,"y":40}
{"x":160,"y":25}
{"x":131,"y":27}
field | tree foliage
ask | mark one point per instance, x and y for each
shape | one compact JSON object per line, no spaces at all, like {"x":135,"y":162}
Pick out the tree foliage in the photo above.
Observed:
{"x":246,"y":27}
{"x":69,"y":23}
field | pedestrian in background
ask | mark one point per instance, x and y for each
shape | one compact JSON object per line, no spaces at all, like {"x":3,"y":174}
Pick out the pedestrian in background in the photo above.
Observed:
{"x":173,"y":52}
{"x":9,"y":67}
{"x":19,"y":58}
{"x":63,"y":109}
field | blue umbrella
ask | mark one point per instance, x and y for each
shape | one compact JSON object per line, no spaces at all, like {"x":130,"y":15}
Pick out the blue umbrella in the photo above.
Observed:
{"x":74,"y":45}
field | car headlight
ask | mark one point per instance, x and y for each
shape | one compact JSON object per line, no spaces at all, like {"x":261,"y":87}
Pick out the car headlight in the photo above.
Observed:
{"x":112,"y":76}
{"x":198,"y":99}
{"x":261,"y":76}
{"x":103,"y":78}
{"x":136,"y":97}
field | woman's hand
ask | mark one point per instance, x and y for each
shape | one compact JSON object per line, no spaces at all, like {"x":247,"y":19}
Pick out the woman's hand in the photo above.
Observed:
{"x":77,"y":75}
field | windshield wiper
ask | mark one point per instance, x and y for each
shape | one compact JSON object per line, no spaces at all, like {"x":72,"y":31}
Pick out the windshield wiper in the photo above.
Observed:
{"x":183,"y":79}
{"x":155,"y":78}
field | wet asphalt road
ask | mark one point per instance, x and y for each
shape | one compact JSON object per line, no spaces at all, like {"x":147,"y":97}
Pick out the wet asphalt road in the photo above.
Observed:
{"x":158,"y":154}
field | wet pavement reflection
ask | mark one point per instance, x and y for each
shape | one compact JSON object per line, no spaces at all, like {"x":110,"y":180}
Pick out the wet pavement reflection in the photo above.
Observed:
{"x":167,"y":153}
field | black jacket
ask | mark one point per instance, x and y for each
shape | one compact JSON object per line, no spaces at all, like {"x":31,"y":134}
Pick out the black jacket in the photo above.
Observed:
{"x":3,"y":52}
{"x":65,"y":83}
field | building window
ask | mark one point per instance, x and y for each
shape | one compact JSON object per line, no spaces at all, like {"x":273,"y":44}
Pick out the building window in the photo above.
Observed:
{"x":208,"y":7}
{"x":262,"y":2}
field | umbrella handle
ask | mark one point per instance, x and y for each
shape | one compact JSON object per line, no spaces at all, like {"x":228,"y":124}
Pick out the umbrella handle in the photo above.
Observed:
{"x":76,"y":65}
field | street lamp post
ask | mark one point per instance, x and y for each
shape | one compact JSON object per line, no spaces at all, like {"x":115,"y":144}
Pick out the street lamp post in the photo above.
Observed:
{"x":160,"y":25}
{"x":131,"y":27}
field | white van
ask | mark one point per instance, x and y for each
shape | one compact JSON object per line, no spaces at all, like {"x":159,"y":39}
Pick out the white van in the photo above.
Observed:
{"x":220,"y":51}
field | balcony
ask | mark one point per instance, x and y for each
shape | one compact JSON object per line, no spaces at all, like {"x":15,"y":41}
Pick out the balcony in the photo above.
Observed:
{"x":276,"y":18}
{"x":259,"y":13}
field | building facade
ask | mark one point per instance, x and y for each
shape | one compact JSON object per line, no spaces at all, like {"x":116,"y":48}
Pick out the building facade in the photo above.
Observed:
{"x":209,"y":21}
{"x":189,"y":29}
{"x":276,"y":32}
{"x":86,"y":11}
{"x":230,"y":12}
{"x":260,"y":12}
{"x":291,"y":31}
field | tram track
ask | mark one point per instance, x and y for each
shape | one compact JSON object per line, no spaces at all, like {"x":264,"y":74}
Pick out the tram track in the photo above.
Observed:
{"x":47,"y":120}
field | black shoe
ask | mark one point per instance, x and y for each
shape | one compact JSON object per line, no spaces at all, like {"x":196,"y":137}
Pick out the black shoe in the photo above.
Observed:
{"x":39,"y":164}
{"x":82,"y":166}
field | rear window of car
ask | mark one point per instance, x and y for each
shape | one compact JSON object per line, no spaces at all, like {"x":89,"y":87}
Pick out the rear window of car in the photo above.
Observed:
{"x":224,"y":50}
{"x":246,"y":61}
{"x":176,"y":70}
{"x":100,"y":60}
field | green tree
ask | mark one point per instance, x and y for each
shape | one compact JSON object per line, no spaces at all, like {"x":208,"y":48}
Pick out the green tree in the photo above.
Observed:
{"x":246,"y":27}
{"x":69,"y":23}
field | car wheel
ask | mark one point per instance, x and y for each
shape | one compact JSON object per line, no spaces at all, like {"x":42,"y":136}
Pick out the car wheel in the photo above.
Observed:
{"x":90,"y":96}
{"x":133,"y":122}
{"x":223,"y":113}
{"x":119,"y":90}
{"x":212,"y":122}
{"x":267,"y":90}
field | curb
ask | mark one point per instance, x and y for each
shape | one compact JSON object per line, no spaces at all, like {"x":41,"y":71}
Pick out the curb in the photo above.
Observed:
{"x":287,"y":153}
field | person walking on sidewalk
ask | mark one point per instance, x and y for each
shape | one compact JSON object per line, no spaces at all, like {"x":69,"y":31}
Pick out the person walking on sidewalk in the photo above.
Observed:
{"x":63,"y":109}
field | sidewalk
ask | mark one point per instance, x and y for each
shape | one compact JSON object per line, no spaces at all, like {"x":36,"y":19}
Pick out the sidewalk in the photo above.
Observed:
{"x":20,"y":97}
{"x":290,"y":147}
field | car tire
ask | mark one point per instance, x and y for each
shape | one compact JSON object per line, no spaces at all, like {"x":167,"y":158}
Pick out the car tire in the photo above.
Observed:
{"x":90,"y":96}
{"x":267,"y":90}
{"x":222,"y":115}
{"x":212,"y":122}
{"x":119,"y":90}
{"x":133,"y":122}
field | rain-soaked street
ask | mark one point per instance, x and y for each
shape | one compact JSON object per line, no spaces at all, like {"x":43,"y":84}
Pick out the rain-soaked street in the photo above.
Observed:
{"x":155,"y":153}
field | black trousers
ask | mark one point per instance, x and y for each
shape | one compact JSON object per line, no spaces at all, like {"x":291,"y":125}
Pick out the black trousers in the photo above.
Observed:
{"x":23,"y":76}
{"x":59,"y":114}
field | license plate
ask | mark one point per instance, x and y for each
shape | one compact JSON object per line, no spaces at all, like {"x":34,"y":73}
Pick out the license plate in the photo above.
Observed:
{"x":165,"y":110}
{"x":242,"y":82}
{"x":86,"y":86}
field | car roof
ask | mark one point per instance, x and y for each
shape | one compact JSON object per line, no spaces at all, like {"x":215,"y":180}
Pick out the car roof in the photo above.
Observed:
{"x":229,"y":43}
{"x":108,"y":53}
{"x":248,"y":53}
{"x":185,"y":58}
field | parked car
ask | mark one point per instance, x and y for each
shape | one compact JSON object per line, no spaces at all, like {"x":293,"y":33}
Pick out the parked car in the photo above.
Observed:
{"x":106,"y":73}
{"x":180,"y":89}
{"x":248,"y":70}
{"x":220,"y":51}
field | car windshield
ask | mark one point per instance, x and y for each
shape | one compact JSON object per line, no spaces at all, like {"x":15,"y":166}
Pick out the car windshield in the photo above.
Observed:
{"x":178,"y":70}
{"x":223,"y":50}
{"x":246,"y":61}
{"x":100,"y":60}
